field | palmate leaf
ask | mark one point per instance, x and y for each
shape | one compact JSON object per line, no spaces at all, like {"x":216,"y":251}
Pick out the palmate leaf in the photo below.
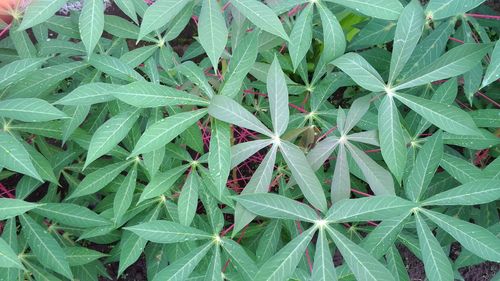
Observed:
{"x":164,"y":131}
{"x":161,"y":231}
{"x":369,"y":208}
{"x":182,"y":267}
{"x":362,"y":264}
{"x":10,"y":208}
{"x":212,"y":30}
{"x":392,"y":140}
{"x":261,"y":15}
{"x":281,"y":266}
{"x":259,"y":183}
{"x":473,"y":237}
{"x":91,"y":23}
{"x":324,"y":269}
{"x":436,"y":263}
{"x":278,"y":97}
{"x":243,"y":151}
{"x":301,"y":36}
{"x":276,"y":206}
{"x":383,"y":9}
{"x":45,"y":247}
{"x":360,"y":71}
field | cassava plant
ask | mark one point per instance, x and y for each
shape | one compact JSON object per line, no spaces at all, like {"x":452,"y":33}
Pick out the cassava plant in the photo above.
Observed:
{"x":248,"y":139}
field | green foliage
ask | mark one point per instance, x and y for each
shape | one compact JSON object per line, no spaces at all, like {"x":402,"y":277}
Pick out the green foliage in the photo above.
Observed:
{"x":248,"y":139}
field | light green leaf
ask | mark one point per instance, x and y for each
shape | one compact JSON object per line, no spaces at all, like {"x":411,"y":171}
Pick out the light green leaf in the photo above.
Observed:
{"x":373,"y":208}
{"x":436,"y":263}
{"x":124,"y":195}
{"x":244,"y":150}
{"x":301,"y":36}
{"x":363,"y":265}
{"x":259,"y":183}
{"x":128,"y":7}
{"x":77,"y":115}
{"x":13,"y":156}
{"x":29,"y":110}
{"x":188,"y":200}
{"x":282,"y":265}
{"x":463,"y":171}
{"x":304,"y":175}
{"x":427,"y":162}
{"x":392,"y":139}
{"x":91,"y":24}
{"x":17,"y":70}
{"x":110,"y":134}
{"x":219,"y":157}
{"x":45,"y":247}
{"x":212,"y":31}
{"x":98,"y":179}
{"x":228,"y":110}
{"x":379,"y":241}
{"x":89,"y":94}
{"x":322,"y":151}
{"x":268,"y":243}
{"x":486,"y":118}
{"x":382,"y":9}
{"x":408,"y":31}
{"x":473,"y":237}
{"x":164,"y":131}
{"x":472,"y":193}
{"x":10,"y":208}
{"x":115,"y":67}
{"x":146,"y":94}
{"x":440,"y":9}
{"x":458,"y":60}
{"x":239,"y":257}
{"x":493,"y":70}
{"x":71,"y":215}
{"x":358,"y":109}
{"x":378,"y":178}
{"x":8,"y":257}
{"x":323,"y":269}
{"x":360,"y":71}
{"x":214,"y":270}
{"x":162,"y":182}
{"x":197,"y":76}
{"x":278,"y":97}
{"x":241,"y":63}
{"x":159,"y":14}
{"x":160,"y":231}
{"x":261,"y":15}
{"x":81,"y":255}
{"x":276,"y":206}
{"x":40,"y":11}
{"x":341,"y":181}
{"x":447,"y":117}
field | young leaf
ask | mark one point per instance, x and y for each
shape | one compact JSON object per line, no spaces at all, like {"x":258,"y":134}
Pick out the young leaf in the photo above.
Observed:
{"x":392,"y":140}
{"x":446,"y":117}
{"x":276,"y":206}
{"x":91,"y":24}
{"x":71,"y":215}
{"x":10,"y":208}
{"x":45,"y":247}
{"x":29,"y":110}
{"x":110,"y":134}
{"x":369,"y":208}
{"x":304,"y":175}
{"x":408,"y":31}
{"x":278,"y":97}
{"x":473,"y":237}
{"x":458,"y":60}
{"x":227,"y":110}
{"x":437,"y":265}
{"x":281,"y":266}
{"x":261,"y":15}
{"x":360,"y":71}
{"x":162,"y":182}
{"x":427,"y":162}
{"x":160,"y":231}
{"x":362,"y":264}
{"x":13,"y":156}
{"x":301,"y":36}
{"x":212,"y":31}
{"x":164,"y":131}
